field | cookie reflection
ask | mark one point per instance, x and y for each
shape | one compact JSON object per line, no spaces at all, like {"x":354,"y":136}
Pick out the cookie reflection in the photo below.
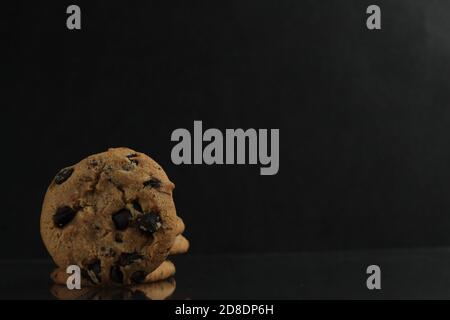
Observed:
{"x":159,"y":290}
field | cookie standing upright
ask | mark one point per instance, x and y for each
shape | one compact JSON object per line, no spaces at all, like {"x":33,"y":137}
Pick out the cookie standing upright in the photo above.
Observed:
{"x":112,"y":214}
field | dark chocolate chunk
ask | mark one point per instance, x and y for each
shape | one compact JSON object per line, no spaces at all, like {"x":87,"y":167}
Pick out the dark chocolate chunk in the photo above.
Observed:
{"x":94,"y":270}
{"x":118,"y":237}
{"x":132,"y":155}
{"x":85,"y":274}
{"x":138,"y":277}
{"x":63,"y":216}
{"x":126,"y":258}
{"x":116,"y":274}
{"x":149,"y":222}
{"x":63,"y":175}
{"x":137,"y":205}
{"x":153,"y":183}
{"x":121,"y":219}
{"x":111,"y":252}
{"x":131,"y":158}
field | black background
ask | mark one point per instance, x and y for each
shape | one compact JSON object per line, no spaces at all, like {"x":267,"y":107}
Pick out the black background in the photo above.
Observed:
{"x":364,"y":116}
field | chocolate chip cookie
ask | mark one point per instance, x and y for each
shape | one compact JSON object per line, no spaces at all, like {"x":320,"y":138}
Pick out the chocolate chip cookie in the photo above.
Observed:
{"x":112,"y":214}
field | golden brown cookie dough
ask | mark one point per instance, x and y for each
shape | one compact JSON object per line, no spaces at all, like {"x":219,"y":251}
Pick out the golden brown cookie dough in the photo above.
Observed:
{"x":113,"y":215}
{"x":164,"y":271}
{"x":180,"y":226}
{"x":180,"y":245}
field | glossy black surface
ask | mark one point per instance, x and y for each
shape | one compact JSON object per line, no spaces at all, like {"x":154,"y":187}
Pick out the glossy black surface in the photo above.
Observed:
{"x":363,"y":115}
{"x":415,"y":273}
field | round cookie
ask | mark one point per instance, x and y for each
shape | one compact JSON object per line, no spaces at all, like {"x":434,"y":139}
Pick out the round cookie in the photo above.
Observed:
{"x":112,"y":214}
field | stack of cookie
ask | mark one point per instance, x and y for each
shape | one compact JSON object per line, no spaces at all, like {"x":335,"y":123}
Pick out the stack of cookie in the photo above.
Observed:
{"x":158,"y":284}
{"x":112,"y":214}
{"x":164,"y":271}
